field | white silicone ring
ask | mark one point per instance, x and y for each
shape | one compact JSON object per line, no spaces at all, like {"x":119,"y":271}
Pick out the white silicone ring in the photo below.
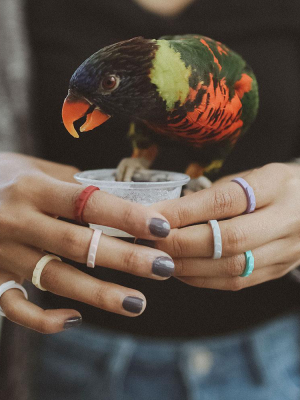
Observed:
{"x":93,"y":248}
{"x":36,"y":275}
{"x":217,"y":238}
{"x":11,"y":285}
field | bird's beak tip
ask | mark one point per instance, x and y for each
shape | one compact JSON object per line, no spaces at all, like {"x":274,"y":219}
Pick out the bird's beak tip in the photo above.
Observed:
{"x":75,"y":108}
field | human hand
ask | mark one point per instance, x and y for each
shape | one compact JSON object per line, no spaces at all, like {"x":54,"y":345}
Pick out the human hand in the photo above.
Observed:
{"x":32,"y":194}
{"x":271,"y":232}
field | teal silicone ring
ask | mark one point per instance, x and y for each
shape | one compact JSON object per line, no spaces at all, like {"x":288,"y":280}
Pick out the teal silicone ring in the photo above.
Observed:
{"x":249,"y":264}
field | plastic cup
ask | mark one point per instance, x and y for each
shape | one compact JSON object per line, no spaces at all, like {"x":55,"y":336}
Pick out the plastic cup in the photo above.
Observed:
{"x":147,"y":187}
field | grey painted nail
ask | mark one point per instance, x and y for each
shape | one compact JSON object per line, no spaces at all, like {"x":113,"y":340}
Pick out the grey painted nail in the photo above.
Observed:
{"x":133,"y":304}
{"x":72,"y":322}
{"x":163,"y":266}
{"x":159,"y":227}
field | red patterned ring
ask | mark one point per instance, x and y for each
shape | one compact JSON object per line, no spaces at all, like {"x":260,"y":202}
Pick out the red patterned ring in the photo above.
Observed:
{"x":81,"y":202}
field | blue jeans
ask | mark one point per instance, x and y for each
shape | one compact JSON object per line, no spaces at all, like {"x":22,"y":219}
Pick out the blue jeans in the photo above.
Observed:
{"x":87,"y":364}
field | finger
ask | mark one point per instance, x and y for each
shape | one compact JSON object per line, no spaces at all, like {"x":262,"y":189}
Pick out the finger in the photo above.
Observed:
{"x":227,"y":267}
{"x":59,"y":198}
{"x":223,"y":200}
{"x":21,"y":311}
{"x":6,"y":276}
{"x":73,"y":241}
{"x":238,"y":283}
{"x":238,"y":234}
{"x":64,"y":280}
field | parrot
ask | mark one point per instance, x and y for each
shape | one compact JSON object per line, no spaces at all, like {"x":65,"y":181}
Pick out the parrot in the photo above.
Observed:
{"x":185,"y":88}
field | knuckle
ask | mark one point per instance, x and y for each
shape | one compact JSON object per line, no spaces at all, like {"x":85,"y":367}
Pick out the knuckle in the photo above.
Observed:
{"x":181,"y":268}
{"x":12,"y":311}
{"x":178,"y":213}
{"x":19,"y":187}
{"x":75,"y":195}
{"x":131,"y":261}
{"x":100,"y":297}
{"x":129,"y":215}
{"x":179,"y":247}
{"x":276,"y":167}
{"x":281,"y":271}
{"x":43,"y":325}
{"x":235,"y":265}
{"x":223,"y":202}
{"x":233,"y":239}
{"x":73,"y":244}
{"x":235,"y":284}
{"x":182,"y":215}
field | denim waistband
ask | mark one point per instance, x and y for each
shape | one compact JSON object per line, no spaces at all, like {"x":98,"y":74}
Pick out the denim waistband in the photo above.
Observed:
{"x":254,"y":357}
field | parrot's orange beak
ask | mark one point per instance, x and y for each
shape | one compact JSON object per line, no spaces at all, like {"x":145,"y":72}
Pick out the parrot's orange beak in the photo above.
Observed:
{"x":75,"y":108}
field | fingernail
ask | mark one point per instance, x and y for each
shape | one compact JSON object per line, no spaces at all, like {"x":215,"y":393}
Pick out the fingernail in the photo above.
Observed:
{"x":72,"y":322}
{"x":145,"y":242}
{"x":133,"y":304}
{"x":159,"y":227}
{"x":163,"y":266}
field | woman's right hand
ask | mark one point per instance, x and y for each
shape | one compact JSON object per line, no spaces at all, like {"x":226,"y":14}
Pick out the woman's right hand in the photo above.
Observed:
{"x":33,"y":193}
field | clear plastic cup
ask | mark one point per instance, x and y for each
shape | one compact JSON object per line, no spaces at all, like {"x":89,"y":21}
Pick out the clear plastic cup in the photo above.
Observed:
{"x":147,"y":187}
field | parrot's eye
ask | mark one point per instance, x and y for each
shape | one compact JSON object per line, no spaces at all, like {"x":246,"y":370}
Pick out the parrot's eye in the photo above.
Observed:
{"x":110,"y":83}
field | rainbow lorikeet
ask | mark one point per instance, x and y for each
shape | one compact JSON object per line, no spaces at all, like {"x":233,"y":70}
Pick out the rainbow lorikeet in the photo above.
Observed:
{"x":187,"y":88}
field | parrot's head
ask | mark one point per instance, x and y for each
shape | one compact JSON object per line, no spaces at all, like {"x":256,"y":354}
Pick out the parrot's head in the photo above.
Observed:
{"x":116,"y":80}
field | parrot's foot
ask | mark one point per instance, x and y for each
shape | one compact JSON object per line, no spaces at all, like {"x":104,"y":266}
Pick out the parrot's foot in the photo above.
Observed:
{"x":128,"y":166}
{"x":197,"y":184}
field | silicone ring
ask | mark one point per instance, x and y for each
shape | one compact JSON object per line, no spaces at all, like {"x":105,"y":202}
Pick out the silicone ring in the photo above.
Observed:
{"x":249,"y":264}
{"x":81,"y":202}
{"x":36,"y":275}
{"x":249,"y":193}
{"x":93,"y":248}
{"x":11,"y":285}
{"x":217,"y":238}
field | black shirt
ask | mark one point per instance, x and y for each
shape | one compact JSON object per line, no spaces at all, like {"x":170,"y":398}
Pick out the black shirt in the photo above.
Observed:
{"x":266,"y":34}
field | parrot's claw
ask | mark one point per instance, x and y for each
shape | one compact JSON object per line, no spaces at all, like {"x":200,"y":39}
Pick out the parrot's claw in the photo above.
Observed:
{"x":197,"y":184}
{"x":129,"y":166}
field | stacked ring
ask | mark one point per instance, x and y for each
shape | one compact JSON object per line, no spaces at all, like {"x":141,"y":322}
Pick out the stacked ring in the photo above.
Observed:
{"x":36,"y":275}
{"x":217,"y":238}
{"x":249,"y":264}
{"x":11,"y":285}
{"x":81,"y":202}
{"x":93,"y":248}
{"x":251,"y":202}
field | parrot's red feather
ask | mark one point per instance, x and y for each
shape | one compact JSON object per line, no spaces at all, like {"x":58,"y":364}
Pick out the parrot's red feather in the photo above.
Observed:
{"x":216,"y":118}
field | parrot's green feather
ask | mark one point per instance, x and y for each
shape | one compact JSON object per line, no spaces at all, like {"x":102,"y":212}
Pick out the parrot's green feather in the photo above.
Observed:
{"x":170,"y":74}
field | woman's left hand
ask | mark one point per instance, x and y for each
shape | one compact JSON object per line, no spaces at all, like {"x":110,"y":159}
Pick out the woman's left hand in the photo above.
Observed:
{"x":271,"y":232}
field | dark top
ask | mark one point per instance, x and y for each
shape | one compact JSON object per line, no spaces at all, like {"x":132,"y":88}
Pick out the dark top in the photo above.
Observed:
{"x":266,"y":33}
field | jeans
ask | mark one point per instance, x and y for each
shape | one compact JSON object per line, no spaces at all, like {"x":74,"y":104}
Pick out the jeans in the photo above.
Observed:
{"x":87,"y":364}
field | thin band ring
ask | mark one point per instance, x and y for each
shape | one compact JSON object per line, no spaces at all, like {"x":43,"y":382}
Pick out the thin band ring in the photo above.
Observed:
{"x":36,"y":275}
{"x":249,"y":264}
{"x":11,"y":285}
{"x":217,"y":238}
{"x":81,"y":202}
{"x":251,"y":202}
{"x":93,"y":248}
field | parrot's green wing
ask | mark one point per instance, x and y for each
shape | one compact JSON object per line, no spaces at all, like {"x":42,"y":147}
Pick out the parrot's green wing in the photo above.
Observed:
{"x":220,"y":97}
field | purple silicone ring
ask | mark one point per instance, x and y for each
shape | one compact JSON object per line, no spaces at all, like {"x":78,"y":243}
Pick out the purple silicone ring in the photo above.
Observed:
{"x":249,"y":193}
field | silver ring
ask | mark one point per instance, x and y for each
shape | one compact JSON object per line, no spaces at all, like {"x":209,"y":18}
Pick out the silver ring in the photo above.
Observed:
{"x":217,"y":238}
